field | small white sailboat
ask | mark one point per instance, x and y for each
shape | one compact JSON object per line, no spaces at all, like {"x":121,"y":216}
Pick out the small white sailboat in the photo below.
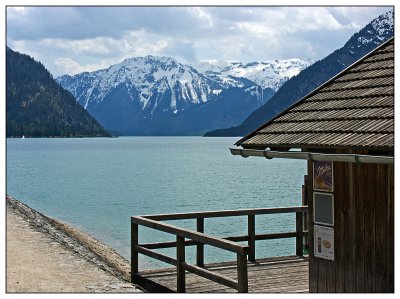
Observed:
{"x":23,"y":137}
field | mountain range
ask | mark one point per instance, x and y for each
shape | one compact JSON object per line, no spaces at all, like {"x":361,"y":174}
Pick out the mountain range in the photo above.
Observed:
{"x":373,"y":34}
{"x":161,"y":96}
{"x":37,"y":106}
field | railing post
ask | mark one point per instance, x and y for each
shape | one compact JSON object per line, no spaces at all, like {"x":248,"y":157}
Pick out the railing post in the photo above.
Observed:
{"x":299,"y":233}
{"x":251,"y":227}
{"x":200,"y":247}
{"x":180,"y":259}
{"x":134,"y":252}
{"x":243,"y":284}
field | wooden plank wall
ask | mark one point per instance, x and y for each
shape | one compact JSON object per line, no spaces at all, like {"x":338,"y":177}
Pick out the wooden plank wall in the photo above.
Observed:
{"x":364,"y":231}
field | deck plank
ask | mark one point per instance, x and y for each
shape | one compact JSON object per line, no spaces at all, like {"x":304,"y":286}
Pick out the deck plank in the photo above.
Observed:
{"x":272,"y":275}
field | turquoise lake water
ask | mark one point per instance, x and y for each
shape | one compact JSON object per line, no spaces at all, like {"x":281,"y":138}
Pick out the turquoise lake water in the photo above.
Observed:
{"x":96,"y":184}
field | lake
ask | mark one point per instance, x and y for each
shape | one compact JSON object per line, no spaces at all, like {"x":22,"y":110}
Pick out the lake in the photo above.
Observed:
{"x":96,"y":184}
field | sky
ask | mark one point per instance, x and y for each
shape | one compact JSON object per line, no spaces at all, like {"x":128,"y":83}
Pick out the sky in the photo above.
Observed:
{"x":71,"y":40}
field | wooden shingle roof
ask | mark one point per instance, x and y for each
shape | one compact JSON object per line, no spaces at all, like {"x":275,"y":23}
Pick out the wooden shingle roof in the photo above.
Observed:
{"x":355,"y":110}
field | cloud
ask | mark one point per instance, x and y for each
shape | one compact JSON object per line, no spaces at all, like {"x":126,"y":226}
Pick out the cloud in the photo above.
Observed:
{"x":136,"y":43}
{"x":35,"y":23}
{"x":203,"y":16}
{"x":278,"y":21}
{"x":142,"y":43}
{"x":182,"y":50}
{"x":66,"y":65}
{"x":18,"y":10}
{"x":94,"y":36}
{"x":92,"y":22}
{"x":96,"y":46}
{"x":316,"y":19}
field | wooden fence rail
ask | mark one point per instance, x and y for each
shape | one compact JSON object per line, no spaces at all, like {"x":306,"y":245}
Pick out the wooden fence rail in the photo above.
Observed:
{"x":199,"y":239}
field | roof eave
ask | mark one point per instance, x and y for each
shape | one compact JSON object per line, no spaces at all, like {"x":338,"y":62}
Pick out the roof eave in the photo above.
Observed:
{"x":312,"y":156}
{"x":288,"y":146}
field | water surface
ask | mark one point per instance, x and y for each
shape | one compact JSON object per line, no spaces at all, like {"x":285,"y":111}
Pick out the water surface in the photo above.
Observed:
{"x":96,"y":184}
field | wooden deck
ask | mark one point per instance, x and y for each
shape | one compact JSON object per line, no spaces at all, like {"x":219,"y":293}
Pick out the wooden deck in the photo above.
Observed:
{"x":272,"y":275}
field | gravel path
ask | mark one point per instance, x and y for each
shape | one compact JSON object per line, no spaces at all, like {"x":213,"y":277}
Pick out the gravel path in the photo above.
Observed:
{"x":46,"y":262}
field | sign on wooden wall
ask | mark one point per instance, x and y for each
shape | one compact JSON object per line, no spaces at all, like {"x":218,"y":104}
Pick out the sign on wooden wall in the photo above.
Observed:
{"x":323,"y":176}
{"x":324,"y":242}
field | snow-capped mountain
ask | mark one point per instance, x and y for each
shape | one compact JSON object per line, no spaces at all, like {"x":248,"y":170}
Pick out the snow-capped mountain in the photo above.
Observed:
{"x":145,"y":79}
{"x":377,"y":31}
{"x":134,"y":96}
{"x":267,"y":74}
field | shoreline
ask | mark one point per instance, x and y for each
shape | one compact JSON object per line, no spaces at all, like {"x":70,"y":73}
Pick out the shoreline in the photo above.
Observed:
{"x":76,"y":242}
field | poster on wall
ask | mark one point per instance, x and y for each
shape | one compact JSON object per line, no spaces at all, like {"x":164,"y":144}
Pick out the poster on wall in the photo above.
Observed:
{"x":323,"y":176}
{"x":324,"y":242}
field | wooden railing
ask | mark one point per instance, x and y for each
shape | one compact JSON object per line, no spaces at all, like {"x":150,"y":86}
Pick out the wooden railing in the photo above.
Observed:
{"x":199,"y":239}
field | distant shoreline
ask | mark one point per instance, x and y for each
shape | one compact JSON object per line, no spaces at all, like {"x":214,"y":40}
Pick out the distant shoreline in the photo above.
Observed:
{"x":86,"y":246}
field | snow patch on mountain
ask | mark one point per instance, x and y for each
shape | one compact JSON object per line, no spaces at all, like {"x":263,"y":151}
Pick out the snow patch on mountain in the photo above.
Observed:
{"x":384,"y":23}
{"x":267,"y":74}
{"x":378,"y":29}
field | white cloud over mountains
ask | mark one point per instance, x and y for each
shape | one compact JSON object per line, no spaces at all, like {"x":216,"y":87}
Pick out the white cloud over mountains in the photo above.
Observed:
{"x":75,"y":39}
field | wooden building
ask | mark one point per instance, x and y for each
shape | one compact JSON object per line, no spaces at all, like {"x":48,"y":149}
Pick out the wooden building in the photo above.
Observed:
{"x":345,"y":129}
